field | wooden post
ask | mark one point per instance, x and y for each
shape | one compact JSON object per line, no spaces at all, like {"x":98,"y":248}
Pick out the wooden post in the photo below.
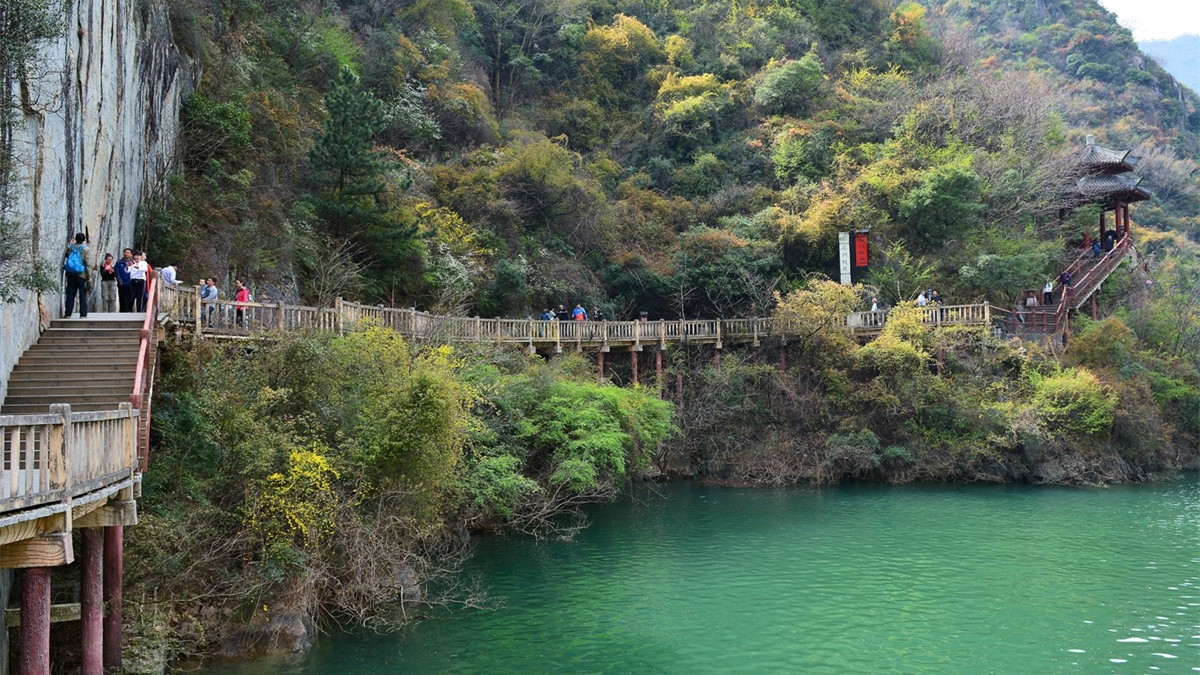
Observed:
{"x":1126,"y":217}
{"x":600,"y":364}
{"x":35,"y":621}
{"x":114,"y":571}
{"x":279,"y":323}
{"x":987,"y":313}
{"x":717,"y":356}
{"x":478,"y":329}
{"x":633,"y":362}
{"x":339,"y":317}
{"x":196,"y":313}
{"x":91,"y":602}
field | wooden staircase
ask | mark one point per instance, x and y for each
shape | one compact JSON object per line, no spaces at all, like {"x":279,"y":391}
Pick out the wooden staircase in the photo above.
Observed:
{"x":88,"y":363}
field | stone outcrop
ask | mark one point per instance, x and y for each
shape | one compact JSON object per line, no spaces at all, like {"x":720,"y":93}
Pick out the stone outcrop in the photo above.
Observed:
{"x":100,"y":115}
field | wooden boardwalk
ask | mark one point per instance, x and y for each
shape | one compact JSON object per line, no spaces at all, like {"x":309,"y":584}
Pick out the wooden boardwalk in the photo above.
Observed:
{"x":229,"y":319}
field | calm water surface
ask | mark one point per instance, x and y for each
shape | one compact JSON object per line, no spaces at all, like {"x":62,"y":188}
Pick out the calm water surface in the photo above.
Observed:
{"x":842,"y":580}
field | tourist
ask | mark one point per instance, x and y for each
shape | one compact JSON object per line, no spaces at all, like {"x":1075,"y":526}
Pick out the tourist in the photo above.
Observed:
{"x":579,"y":313}
{"x":169,"y":273}
{"x":75,"y":267}
{"x":108,"y":284}
{"x":242,"y":296}
{"x":922,"y":300}
{"x":562,"y":314}
{"x":1096,"y":249}
{"x":1031,"y":299}
{"x":547,"y":315}
{"x":936,"y":298}
{"x":1048,"y":292}
{"x":1018,"y":311}
{"x":208,"y":295}
{"x":124,"y":299}
{"x":874,"y":304}
{"x":138,"y":273}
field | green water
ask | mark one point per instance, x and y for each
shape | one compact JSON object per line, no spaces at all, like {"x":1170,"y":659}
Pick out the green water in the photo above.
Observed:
{"x":843,"y":580}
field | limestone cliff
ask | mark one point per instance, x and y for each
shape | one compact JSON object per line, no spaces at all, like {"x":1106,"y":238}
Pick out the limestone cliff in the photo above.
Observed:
{"x":100,"y":114}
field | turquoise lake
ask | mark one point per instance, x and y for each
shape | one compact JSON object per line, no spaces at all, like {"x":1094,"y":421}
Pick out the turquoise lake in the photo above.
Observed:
{"x":857,"y":579}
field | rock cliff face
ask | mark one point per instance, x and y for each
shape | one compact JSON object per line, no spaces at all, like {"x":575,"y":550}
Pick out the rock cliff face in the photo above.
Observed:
{"x":100,"y":119}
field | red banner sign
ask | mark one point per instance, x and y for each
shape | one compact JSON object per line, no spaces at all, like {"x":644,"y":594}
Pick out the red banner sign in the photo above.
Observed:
{"x":860,"y":249}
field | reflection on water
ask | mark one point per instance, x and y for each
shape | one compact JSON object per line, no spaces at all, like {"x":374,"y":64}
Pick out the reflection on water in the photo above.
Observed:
{"x":861,"y":579}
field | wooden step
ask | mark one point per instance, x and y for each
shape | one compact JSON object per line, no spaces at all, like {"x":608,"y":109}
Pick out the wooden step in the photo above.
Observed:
{"x":84,"y":370}
{"x":69,"y":390}
{"x":67,"y":397}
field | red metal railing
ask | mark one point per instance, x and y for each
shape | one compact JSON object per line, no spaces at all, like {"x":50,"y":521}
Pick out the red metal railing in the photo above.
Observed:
{"x":141,"y":396}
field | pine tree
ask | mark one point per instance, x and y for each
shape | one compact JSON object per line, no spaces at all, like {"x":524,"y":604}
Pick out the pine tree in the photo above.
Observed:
{"x":348,"y":168}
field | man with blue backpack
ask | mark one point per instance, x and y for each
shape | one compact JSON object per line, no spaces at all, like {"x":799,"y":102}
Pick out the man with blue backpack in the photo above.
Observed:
{"x":76,"y":263}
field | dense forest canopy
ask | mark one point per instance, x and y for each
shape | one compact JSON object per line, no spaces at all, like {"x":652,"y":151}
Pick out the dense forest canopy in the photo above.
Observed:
{"x":679,"y":158}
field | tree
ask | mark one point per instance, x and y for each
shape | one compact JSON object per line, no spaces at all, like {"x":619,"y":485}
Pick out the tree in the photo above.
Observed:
{"x":349,"y":169}
{"x":791,"y":86}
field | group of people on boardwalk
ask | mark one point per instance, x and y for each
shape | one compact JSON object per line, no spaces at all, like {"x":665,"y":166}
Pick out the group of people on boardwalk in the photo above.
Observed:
{"x":562,"y":314}
{"x":123,"y":282}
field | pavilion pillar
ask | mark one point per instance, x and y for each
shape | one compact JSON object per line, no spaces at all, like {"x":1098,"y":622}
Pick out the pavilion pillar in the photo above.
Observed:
{"x":600,"y":364}
{"x":35,"y":621}
{"x":114,"y":569}
{"x":1102,"y":227}
{"x":633,"y":362}
{"x":1125,"y":216}
{"x":1117,"y":221}
{"x":91,"y":602}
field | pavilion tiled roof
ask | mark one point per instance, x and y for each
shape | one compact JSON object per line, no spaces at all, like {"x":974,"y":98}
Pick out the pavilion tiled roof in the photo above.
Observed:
{"x":1106,"y":160}
{"x":1119,"y":186}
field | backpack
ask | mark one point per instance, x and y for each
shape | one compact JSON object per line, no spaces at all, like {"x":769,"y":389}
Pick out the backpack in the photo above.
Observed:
{"x":74,"y":262}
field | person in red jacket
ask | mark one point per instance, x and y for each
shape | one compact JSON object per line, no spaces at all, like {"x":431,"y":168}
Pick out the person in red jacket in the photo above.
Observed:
{"x":242,"y":296}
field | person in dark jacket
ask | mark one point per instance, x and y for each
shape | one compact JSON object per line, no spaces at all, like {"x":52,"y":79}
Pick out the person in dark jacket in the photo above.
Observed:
{"x":76,"y":263}
{"x":124,"y":297}
{"x":108,"y":284}
{"x":562,"y":314}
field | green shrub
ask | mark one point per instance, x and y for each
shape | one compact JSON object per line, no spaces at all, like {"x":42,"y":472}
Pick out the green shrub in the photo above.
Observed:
{"x":791,"y":86}
{"x":1073,"y":400}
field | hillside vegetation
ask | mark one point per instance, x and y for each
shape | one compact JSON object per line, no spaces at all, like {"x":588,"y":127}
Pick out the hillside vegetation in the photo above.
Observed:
{"x":685,"y":159}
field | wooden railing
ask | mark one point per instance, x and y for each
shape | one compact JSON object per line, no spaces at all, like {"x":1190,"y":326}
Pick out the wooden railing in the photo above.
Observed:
{"x":233,"y":319}
{"x":54,"y":457}
{"x":143,"y":378}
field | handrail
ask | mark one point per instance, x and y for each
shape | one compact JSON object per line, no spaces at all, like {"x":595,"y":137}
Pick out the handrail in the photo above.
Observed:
{"x":141,"y":377}
{"x":53,"y":457}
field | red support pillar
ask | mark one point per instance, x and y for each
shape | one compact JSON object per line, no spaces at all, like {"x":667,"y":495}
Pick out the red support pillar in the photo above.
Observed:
{"x":91,"y":602}
{"x":114,"y":571}
{"x":600,"y":363}
{"x":1125,"y":217}
{"x":1117,"y":221}
{"x":35,"y":621}
{"x":633,"y":364}
{"x":1102,"y":226}
{"x":658,"y":370}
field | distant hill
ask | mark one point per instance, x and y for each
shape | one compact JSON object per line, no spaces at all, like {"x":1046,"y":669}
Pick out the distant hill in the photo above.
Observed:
{"x":1180,"y":57}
